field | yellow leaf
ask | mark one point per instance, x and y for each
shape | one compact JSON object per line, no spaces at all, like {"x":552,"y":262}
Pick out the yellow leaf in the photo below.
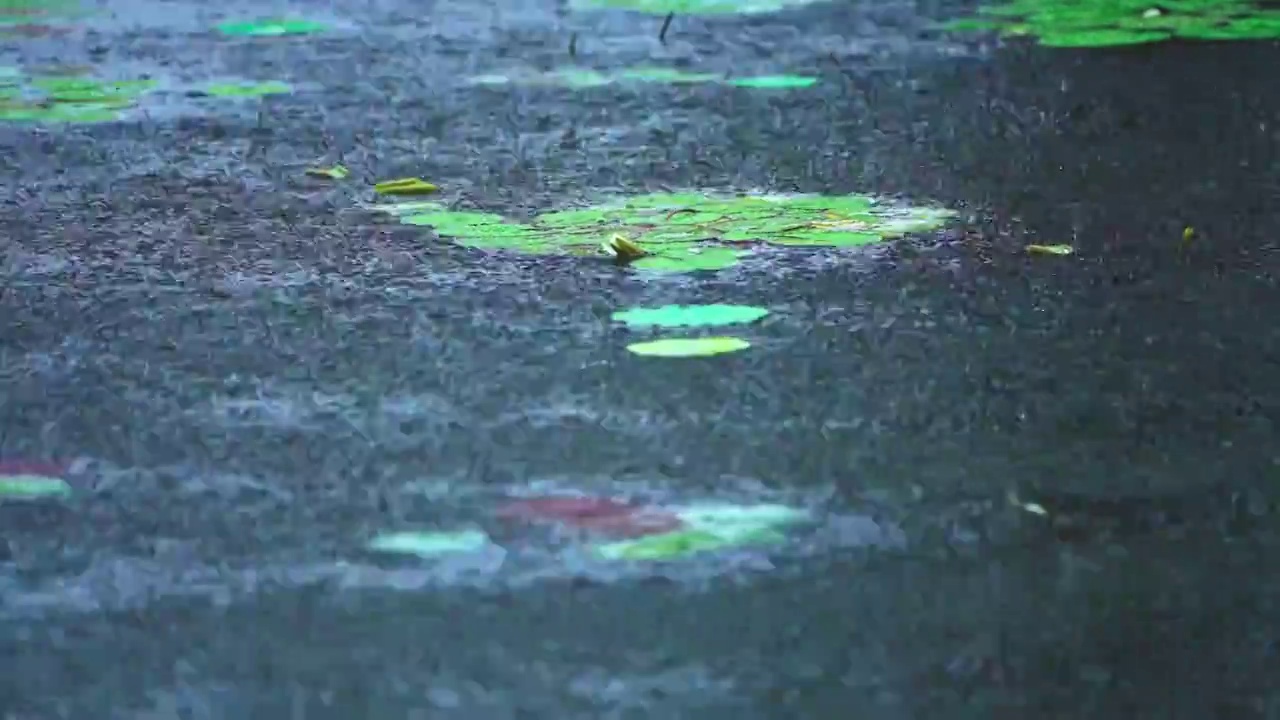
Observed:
{"x":337,"y":172}
{"x":689,"y":347}
{"x":405,"y":186}
{"x":1050,"y":249}
{"x":622,"y":249}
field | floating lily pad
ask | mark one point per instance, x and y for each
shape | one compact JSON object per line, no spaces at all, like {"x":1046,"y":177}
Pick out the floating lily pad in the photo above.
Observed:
{"x":271,"y":27}
{"x":405,"y":186}
{"x":430,"y":544}
{"x":1050,"y":249}
{"x":688,"y":542}
{"x":690,"y":315}
{"x":336,"y":172}
{"x":248,"y":89}
{"x":775,"y":82}
{"x":689,"y":347}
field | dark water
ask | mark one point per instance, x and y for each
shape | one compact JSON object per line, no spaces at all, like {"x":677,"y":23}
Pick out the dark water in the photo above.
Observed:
{"x":256,"y":379}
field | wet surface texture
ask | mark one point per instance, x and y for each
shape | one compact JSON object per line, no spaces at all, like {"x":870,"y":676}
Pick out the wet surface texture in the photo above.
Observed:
{"x":251,"y":376}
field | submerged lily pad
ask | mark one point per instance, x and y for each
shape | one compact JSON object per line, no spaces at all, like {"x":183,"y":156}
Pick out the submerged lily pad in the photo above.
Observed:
{"x":688,"y":347}
{"x":690,"y":315}
{"x":271,"y":27}
{"x":430,"y":544}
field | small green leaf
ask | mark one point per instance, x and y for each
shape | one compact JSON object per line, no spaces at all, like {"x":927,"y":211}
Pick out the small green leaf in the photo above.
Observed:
{"x":405,"y":186}
{"x":730,"y":519}
{"x":1050,"y":249}
{"x":687,"y":542}
{"x":27,"y":487}
{"x":689,"y":347}
{"x":336,"y":172}
{"x":268,"y":28}
{"x":430,"y":544}
{"x":774,"y":82}
{"x":690,"y":315}
{"x":248,"y":89}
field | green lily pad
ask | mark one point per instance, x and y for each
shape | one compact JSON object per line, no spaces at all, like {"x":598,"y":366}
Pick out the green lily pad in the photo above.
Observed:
{"x":731,"y":519}
{"x":430,"y":544}
{"x":271,"y":28}
{"x":689,"y":259}
{"x":1103,"y":37}
{"x":684,"y":543}
{"x":775,"y":82}
{"x":29,"y":487}
{"x":688,"y":347}
{"x":248,"y":89}
{"x":1258,"y":28}
{"x":690,"y":315}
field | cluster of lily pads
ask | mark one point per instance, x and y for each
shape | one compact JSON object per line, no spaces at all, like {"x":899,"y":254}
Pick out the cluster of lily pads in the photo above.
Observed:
{"x":689,"y":316}
{"x":80,"y":98}
{"x":580,"y":78}
{"x":681,"y":232}
{"x":1099,"y":23}
{"x":625,"y":531}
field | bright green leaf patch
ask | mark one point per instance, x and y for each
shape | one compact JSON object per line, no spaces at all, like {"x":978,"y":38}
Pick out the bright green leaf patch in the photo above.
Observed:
{"x":577,"y":78}
{"x":726,"y":518}
{"x":669,"y":316}
{"x":28,"y":487}
{"x":430,"y":544}
{"x":688,"y":347}
{"x":1110,"y":23}
{"x":683,"y":543}
{"x":247,"y":89}
{"x":684,"y":232}
{"x":271,"y":27}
